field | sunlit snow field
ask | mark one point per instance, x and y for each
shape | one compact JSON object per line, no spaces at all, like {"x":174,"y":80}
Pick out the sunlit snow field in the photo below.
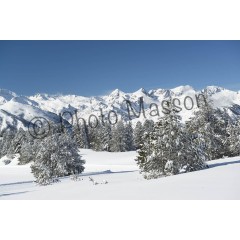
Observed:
{"x":119,"y":170}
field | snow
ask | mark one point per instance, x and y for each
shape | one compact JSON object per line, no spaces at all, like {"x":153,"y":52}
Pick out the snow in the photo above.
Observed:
{"x":220,"y":181}
{"x":11,"y":160}
{"x":225,"y":98}
{"x":18,"y":110}
{"x":6,"y":95}
{"x":183,"y":90}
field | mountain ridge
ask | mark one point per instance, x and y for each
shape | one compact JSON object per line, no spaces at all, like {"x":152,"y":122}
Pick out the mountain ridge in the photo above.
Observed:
{"x":50,"y":106}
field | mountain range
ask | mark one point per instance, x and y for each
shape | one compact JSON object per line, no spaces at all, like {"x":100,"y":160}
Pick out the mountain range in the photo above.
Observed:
{"x":17,"y":111}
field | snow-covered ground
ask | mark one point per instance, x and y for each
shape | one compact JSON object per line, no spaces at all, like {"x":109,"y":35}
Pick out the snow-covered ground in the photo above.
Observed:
{"x":220,"y":181}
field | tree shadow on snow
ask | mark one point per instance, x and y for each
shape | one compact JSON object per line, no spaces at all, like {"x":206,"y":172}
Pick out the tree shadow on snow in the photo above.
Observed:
{"x":106,"y":172}
{"x":222,"y":164}
{"x":15,"y":183}
{"x":9,"y":194}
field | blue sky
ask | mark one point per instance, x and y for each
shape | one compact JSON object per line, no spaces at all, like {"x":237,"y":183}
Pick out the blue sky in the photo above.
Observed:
{"x":96,"y":67}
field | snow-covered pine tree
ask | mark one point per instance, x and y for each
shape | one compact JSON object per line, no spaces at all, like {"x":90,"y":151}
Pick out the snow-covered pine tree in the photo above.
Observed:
{"x":95,"y":138}
{"x":29,"y":149}
{"x":223,"y":120}
{"x":1,"y":146}
{"x":119,"y":140}
{"x":28,"y":152}
{"x":233,"y":131}
{"x":57,"y":156}
{"x":148,"y":125}
{"x":148,"y":151}
{"x":17,"y":141}
{"x":81,"y":135}
{"x":205,"y":124}
{"x":6,"y":141}
{"x":30,"y":145}
{"x":138,"y":134}
{"x":194,"y":156}
{"x":106,"y":136}
{"x":69,"y":153}
{"x":158,"y":156}
{"x":129,"y":137}
{"x":168,"y":149}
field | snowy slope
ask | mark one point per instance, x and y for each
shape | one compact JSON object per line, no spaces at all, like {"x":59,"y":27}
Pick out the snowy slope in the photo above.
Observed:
{"x":222,"y":98}
{"x":19,"y":110}
{"x":220,"y":181}
{"x":6,"y":95}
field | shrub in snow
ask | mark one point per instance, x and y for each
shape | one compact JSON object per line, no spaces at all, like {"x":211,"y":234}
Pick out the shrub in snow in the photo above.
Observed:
{"x":93,"y":181}
{"x":75,"y":177}
{"x":7,"y":161}
{"x":96,"y":183}
{"x":104,"y":182}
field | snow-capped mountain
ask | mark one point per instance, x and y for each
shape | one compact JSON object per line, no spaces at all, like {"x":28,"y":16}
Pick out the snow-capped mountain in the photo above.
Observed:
{"x":6,"y":95}
{"x":17,"y":111}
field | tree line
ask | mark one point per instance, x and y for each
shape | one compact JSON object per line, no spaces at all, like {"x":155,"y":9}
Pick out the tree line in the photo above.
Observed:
{"x":164,"y":148}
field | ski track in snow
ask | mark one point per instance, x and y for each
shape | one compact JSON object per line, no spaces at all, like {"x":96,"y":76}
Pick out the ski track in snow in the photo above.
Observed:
{"x":220,"y":181}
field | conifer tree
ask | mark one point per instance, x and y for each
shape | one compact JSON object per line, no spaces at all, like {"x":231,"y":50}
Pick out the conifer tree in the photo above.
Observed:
{"x":169,"y":150}
{"x":17,"y":141}
{"x":148,"y":126}
{"x":57,"y":156}
{"x":138,"y":134}
{"x":81,"y":135}
{"x":6,"y":141}
{"x":29,"y":149}
{"x":119,"y":142}
{"x":233,"y":131}
{"x":223,"y":121}
{"x":106,"y":137}
{"x":95,"y":138}
{"x":205,"y":124}
{"x":129,"y":137}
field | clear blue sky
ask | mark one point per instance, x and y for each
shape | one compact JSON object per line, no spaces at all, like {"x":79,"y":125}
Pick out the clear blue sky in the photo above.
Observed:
{"x":96,"y":67}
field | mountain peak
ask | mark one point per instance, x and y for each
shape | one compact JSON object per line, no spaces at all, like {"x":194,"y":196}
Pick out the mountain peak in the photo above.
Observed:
{"x":44,"y":105}
{"x":116,"y":93}
{"x":182,"y":89}
{"x":141,"y":91}
{"x":7,"y":94}
{"x":213,"y":89}
{"x":42,"y":96}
